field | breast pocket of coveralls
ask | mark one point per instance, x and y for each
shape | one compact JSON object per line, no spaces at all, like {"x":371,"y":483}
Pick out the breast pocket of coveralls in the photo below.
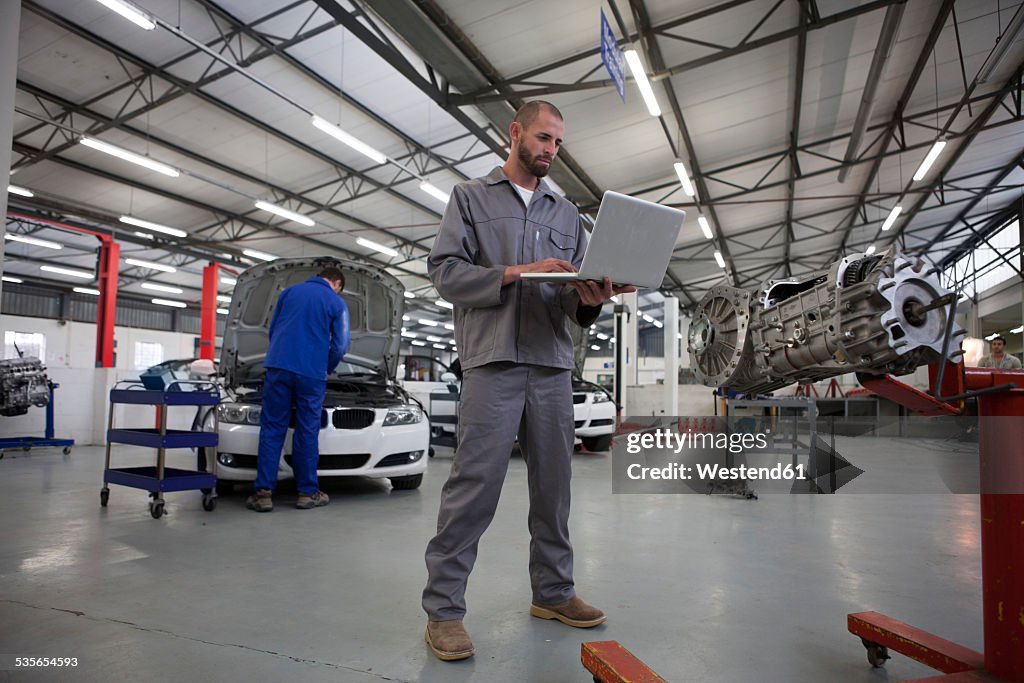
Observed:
{"x":553,"y":244}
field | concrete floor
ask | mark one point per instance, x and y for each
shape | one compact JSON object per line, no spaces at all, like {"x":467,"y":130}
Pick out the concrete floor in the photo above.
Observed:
{"x":701,"y":588}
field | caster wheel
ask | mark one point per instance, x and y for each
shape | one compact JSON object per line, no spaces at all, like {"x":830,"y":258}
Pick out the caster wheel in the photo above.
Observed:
{"x":877,"y":654}
{"x":104,"y":497}
{"x":430,"y":453}
{"x":67,"y":450}
{"x":209,"y":503}
{"x":156,"y":509}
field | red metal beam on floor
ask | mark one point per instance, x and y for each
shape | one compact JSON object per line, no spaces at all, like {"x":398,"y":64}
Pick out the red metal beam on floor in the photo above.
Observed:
{"x":609,"y":662}
{"x":106,"y":307}
{"x":938,"y":653}
{"x":208,"y":312}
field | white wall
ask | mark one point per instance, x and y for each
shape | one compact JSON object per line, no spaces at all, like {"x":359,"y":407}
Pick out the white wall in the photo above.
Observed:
{"x":81,"y":399}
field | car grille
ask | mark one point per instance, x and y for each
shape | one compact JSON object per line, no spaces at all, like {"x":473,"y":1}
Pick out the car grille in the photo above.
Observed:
{"x":579,"y":398}
{"x":341,"y":461}
{"x":359,"y":418}
{"x":602,"y":423}
{"x":580,"y":423}
{"x":399,"y":459}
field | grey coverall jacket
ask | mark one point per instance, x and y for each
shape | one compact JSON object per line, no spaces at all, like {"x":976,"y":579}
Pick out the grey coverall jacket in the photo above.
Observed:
{"x":486,"y":228}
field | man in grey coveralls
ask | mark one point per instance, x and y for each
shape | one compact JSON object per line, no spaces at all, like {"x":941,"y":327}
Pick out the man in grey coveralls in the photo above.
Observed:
{"x":517,"y":358}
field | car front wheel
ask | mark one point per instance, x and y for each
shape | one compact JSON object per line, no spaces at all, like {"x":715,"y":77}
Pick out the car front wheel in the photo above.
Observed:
{"x":597,"y":444}
{"x":406,"y":483}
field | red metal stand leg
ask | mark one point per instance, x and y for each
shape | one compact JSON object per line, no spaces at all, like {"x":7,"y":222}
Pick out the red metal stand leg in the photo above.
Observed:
{"x":208,"y":312}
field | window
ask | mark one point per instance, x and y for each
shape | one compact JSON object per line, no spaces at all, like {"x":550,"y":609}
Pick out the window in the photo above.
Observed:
{"x":148,"y":354}
{"x":29,"y":343}
{"x":985,"y":267}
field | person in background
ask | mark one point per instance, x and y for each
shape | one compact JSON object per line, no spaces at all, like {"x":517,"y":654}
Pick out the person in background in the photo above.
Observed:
{"x":309,"y":335}
{"x":516,"y":354}
{"x":999,"y":359}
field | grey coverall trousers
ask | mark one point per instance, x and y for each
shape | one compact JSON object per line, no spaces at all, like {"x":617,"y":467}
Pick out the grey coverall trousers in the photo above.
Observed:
{"x":500,"y":400}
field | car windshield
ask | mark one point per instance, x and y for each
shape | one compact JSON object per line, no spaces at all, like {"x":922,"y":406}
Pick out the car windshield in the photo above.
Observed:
{"x":352,"y":370}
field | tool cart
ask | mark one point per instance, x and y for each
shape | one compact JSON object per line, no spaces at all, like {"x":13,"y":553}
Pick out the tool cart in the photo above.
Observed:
{"x":159,"y":479}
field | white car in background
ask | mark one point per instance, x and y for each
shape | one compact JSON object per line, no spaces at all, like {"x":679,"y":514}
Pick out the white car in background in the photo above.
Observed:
{"x":430,"y":381}
{"x":369,"y":425}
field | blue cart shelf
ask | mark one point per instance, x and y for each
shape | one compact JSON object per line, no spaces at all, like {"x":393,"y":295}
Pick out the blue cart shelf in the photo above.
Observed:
{"x":160,"y":478}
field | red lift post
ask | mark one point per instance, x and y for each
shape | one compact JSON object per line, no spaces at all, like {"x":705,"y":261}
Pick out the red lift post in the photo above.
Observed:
{"x":1001,"y":455}
{"x":106,"y":307}
{"x":208,"y":312}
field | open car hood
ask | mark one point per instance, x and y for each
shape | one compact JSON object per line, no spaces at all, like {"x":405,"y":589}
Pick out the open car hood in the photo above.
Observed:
{"x":375,"y":304}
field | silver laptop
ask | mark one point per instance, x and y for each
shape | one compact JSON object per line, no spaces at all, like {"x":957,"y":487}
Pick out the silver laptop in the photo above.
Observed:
{"x":632,"y":243}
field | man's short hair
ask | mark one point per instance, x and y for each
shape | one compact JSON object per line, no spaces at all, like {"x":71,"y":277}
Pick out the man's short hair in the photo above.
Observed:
{"x":999,"y":337}
{"x":333,"y":274}
{"x":527,"y":113}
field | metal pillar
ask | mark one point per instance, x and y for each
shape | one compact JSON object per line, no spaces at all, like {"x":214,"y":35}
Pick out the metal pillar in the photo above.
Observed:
{"x":671,"y":356}
{"x":622,"y":315}
{"x":10,"y":19}
{"x":208,"y":312}
{"x":106,"y":307}
{"x":631,"y":342}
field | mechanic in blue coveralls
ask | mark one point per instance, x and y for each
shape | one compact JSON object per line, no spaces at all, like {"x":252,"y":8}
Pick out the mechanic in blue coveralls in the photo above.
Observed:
{"x":517,"y":358}
{"x":309,"y":335}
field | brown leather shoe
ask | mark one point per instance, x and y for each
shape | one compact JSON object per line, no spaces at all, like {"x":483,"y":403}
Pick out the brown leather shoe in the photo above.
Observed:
{"x":448,"y":640}
{"x":573,"y":612}
{"x":261,"y":501}
{"x":308,"y":501}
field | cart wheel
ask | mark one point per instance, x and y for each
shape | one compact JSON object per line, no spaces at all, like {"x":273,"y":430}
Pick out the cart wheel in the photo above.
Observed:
{"x":209,"y":503}
{"x":104,"y":496}
{"x":156,"y":508}
{"x":877,"y":654}
{"x":430,"y":453}
{"x":67,"y":450}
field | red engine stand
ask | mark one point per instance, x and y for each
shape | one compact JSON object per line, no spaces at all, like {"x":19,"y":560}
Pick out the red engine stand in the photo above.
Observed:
{"x":1001,"y":452}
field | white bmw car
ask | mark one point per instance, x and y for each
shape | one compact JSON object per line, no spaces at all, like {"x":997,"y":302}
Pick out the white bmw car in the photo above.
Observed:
{"x":369,"y":425}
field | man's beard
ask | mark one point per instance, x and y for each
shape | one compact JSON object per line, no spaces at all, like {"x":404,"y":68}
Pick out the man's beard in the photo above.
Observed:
{"x":530,"y":163}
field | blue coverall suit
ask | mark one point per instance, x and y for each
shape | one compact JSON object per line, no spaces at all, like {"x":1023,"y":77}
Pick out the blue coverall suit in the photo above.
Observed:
{"x":309,"y":335}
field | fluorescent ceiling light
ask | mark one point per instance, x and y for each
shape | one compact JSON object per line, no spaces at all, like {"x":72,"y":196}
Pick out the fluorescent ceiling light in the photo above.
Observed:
{"x":428,"y":323}
{"x":684,"y":179}
{"x":222,"y":311}
{"x":151,"y":265}
{"x":705,"y":227}
{"x":35,"y":241}
{"x":680,"y":336}
{"x":8,"y":278}
{"x":14,"y":189}
{"x":411,"y":335}
{"x":145,"y":235}
{"x":353,"y":142}
{"x":615,"y":298}
{"x":595,"y":347}
{"x":636,"y":67}
{"x":229,"y":281}
{"x":1002,"y":45}
{"x":285,"y":213}
{"x":376,"y":246}
{"x":130,"y":12}
{"x":261,"y":255}
{"x":161,"y":288}
{"x":86,"y":290}
{"x":893,"y":215}
{"x":444,"y":304}
{"x":992,"y":336}
{"x":409,"y":295}
{"x":929,"y":159}
{"x":719,"y":259}
{"x":170,"y":302}
{"x":224,"y":297}
{"x":406,"y":318}
{"x":449,"y":326}
{"x":602,"y":336}
{"x":870,"y":250}
{"x":418,"y":343}
{"x":431,"y":338}
{"x":657,"y":323}
{"x":155,"y":227}
{"x":440,"y":346}
{"x":1017,"y":330}
{"x":68,"y":271}
{"x":120,"y":153}
{"x":434,"y":191}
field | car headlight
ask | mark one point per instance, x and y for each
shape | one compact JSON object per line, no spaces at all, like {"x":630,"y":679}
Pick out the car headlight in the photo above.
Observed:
{"x":239,"y":413}
{"x":403,"y":415}
{"x":600,"y":397}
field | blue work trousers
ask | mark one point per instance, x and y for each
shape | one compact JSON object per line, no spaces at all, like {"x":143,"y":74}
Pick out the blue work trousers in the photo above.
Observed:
{"x":283,"y":391}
